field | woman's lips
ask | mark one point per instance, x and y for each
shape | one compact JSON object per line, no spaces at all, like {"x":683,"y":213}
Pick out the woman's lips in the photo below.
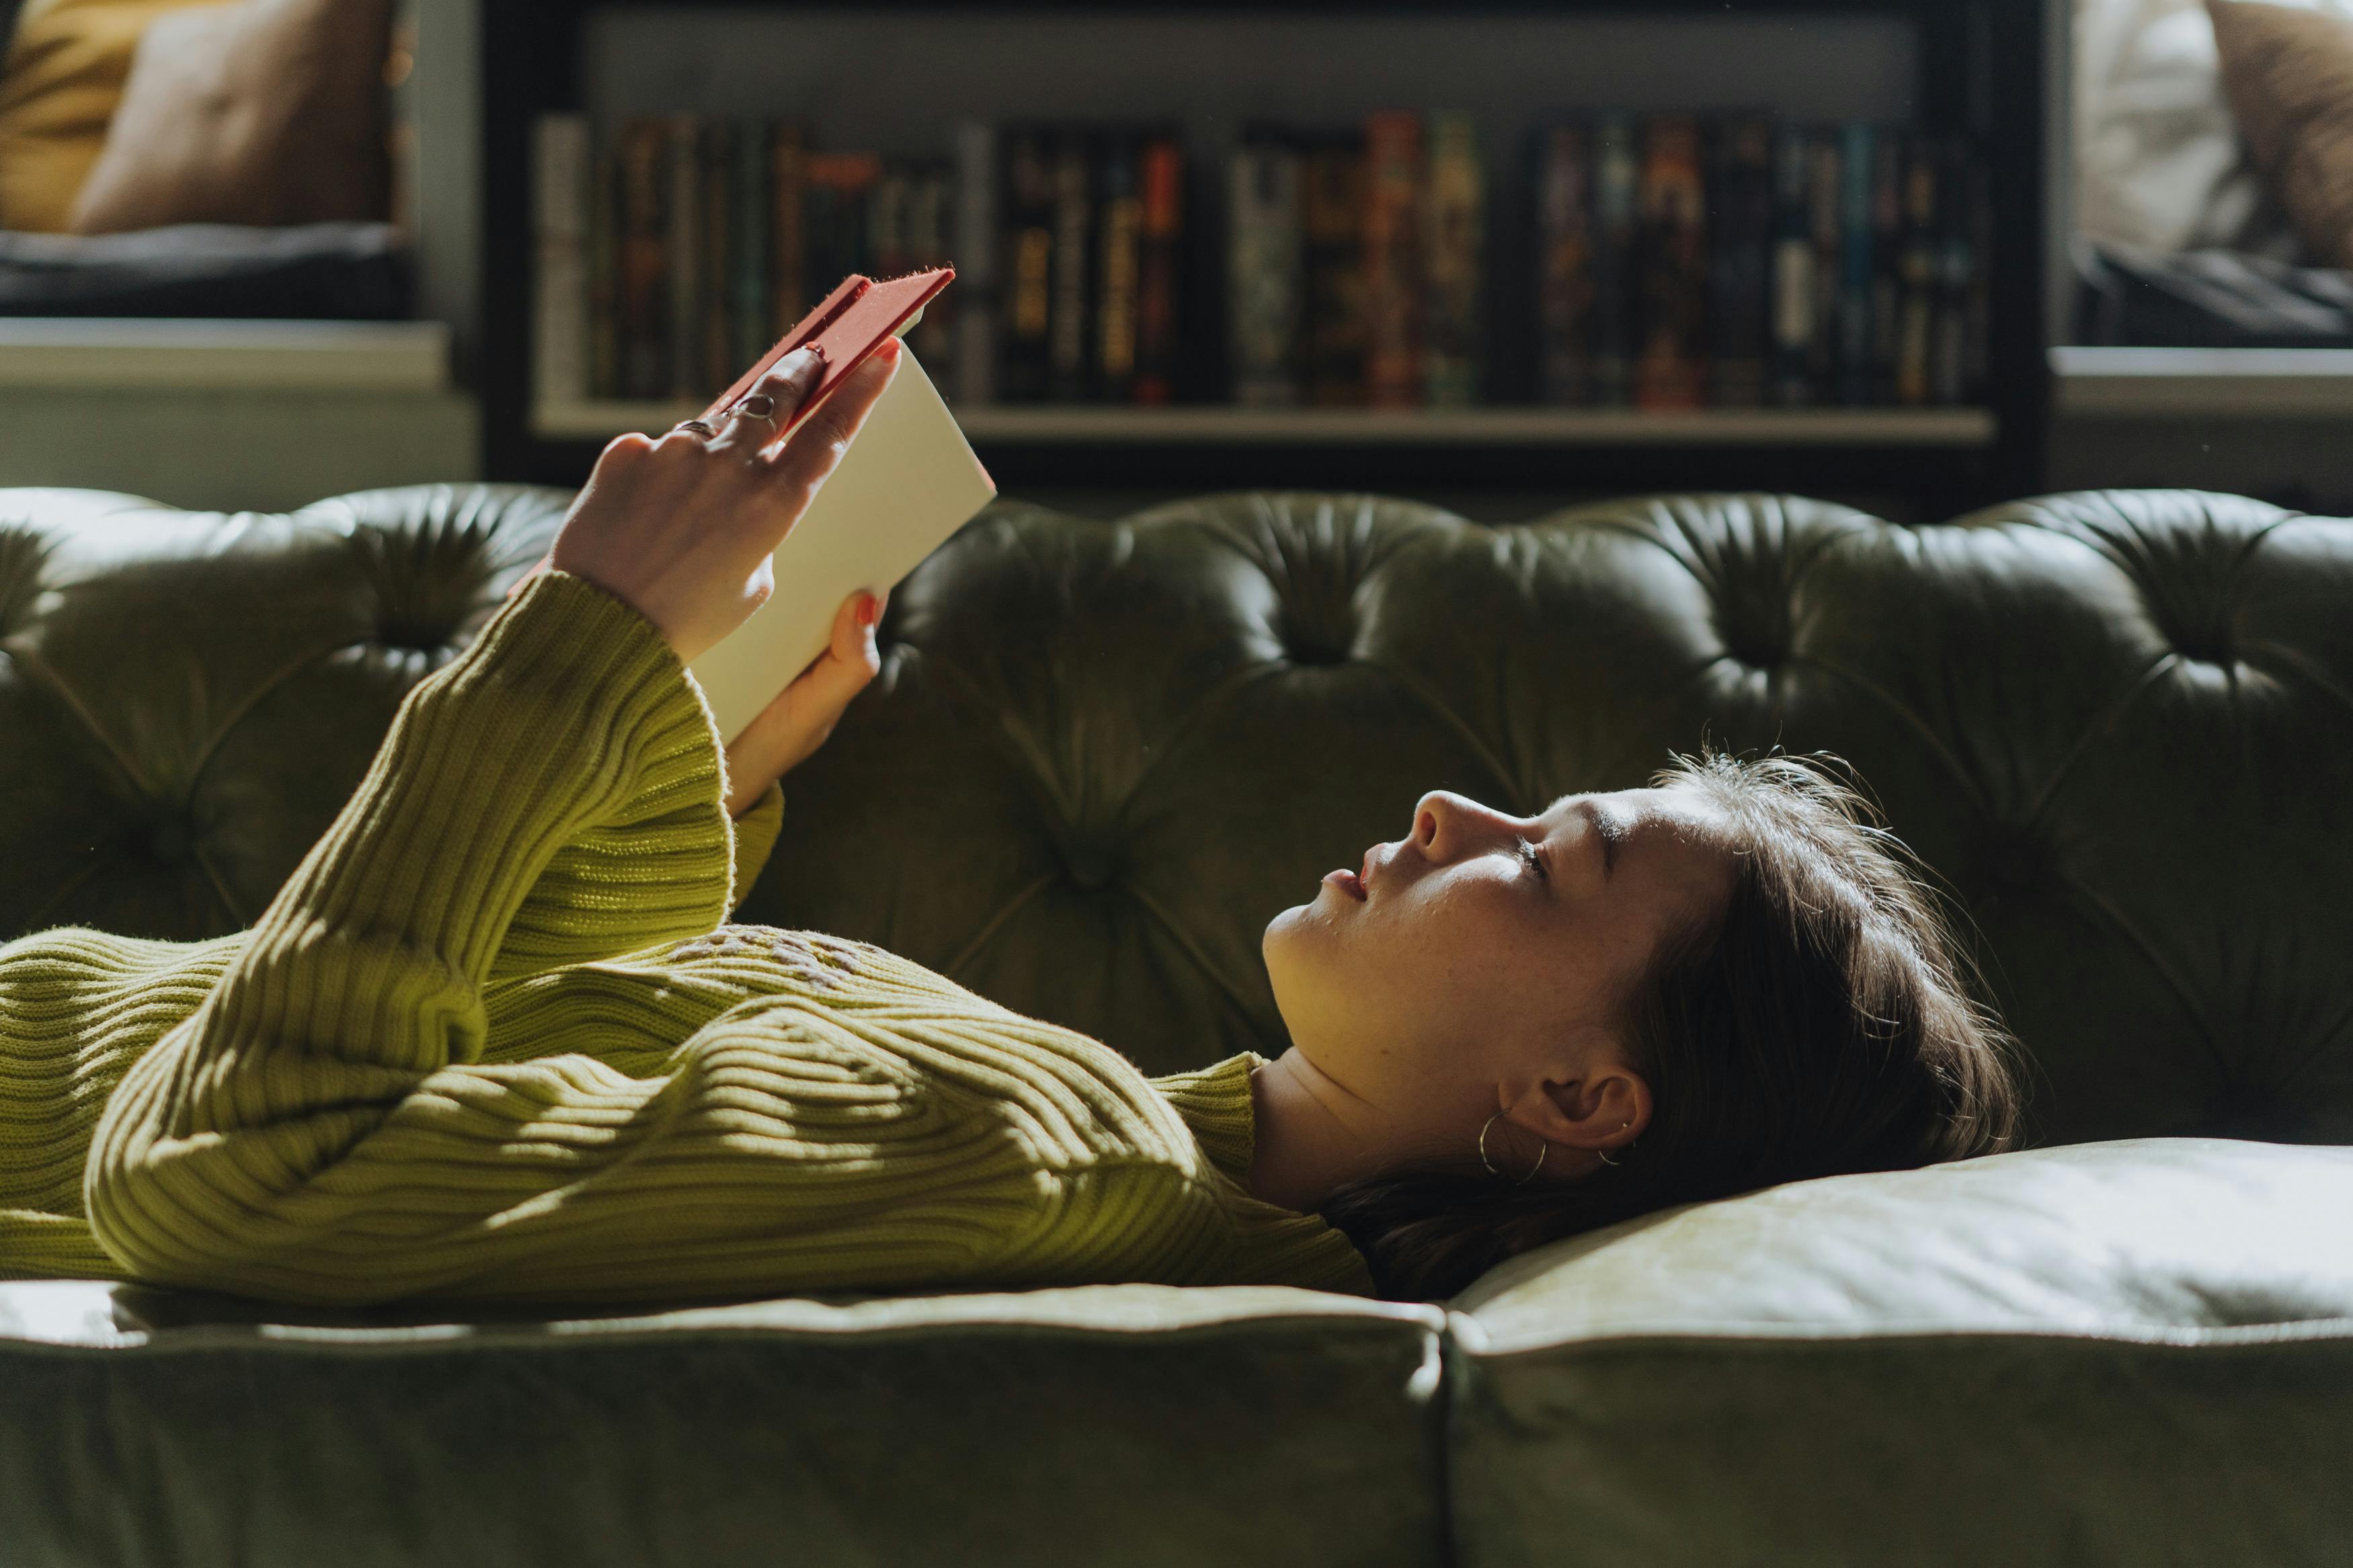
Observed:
{"x":1347,"y":882}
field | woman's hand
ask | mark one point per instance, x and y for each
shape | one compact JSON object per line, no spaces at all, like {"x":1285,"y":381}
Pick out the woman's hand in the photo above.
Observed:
{"x":680,"y":528}
{"x":804,"y":713}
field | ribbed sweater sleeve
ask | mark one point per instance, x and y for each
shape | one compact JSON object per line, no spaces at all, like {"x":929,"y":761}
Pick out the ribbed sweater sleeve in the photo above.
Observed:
{"x":551,"y":796}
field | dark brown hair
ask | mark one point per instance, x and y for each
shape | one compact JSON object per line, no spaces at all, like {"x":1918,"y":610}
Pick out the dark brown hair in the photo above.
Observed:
{"x":1825,"y":1022}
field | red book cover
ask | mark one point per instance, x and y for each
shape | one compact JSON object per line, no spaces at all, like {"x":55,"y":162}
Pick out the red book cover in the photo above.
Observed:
{"x":848,"y":325}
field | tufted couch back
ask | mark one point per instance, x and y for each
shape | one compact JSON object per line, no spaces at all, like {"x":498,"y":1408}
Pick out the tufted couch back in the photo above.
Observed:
{"x":2118,"y":725}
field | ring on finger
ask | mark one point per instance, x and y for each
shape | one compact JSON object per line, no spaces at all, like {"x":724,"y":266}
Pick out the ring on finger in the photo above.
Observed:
{"x":695,"y":426}
{"x":754,"y":406}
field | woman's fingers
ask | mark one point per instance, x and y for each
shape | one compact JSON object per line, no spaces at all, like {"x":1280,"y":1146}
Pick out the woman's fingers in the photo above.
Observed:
{"x":786,"y":387}
{"x":810,"y":454}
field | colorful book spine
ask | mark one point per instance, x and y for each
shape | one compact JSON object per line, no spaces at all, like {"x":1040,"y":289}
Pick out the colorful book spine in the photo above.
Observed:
{"x":561,"y":167}
{"x":1159,"y":293}
{"x":1393,"y":145}
{"x":1331,"y":242}
{"x":975,"y":256}
{"x":931,"y":220}
{"x":1670,"y":350}
{"x":1069,"y":329}
{"x":1741,"y":205}
{"x":1265,"y":272}
{"x":1793,"y":270}
{"x":1919,"y":273}
{"x":1617,"y":189}
{"x":1119,"y":264}
{"x":841,"y":187}
{"x":1453,"y":250}
{"x":1563,"y":167}
{"x":1029,"y":260}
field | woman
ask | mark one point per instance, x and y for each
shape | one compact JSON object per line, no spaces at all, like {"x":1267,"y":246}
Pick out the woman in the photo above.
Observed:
{"x":492,"y":1041}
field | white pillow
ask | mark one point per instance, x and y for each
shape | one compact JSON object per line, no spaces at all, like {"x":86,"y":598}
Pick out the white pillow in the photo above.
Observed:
{"x":2158,"y":161}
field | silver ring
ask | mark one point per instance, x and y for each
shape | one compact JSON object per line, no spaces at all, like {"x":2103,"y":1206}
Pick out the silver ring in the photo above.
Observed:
{"x":754,"y":406}
{"x":696,"y":426}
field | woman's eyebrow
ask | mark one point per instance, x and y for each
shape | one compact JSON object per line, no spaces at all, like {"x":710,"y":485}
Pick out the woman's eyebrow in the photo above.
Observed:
{"x":1609,"y":830}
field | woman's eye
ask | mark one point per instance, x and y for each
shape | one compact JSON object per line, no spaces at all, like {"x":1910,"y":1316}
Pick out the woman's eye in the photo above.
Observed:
{"x":1532,"y":862}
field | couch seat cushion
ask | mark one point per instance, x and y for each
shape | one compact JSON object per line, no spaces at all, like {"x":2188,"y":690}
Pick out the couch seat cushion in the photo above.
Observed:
{"x":1111,"y":1424}
{"x":2035,"y":1357}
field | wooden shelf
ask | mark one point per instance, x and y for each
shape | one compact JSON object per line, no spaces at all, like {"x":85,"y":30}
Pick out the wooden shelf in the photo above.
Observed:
{"x":147,"y":355}
{"x":1079,"y":425}
{"x":2210,"y":384}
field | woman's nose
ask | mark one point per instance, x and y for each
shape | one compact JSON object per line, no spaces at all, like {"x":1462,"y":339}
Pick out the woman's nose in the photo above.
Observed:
{"x":1446,"y":824}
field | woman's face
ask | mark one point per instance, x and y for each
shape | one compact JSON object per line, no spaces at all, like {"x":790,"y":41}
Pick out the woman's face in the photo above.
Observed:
{"x":1483,"y":956}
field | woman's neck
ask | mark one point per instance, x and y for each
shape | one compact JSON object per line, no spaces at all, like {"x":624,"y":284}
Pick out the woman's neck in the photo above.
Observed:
{"x":1313,"y":1137}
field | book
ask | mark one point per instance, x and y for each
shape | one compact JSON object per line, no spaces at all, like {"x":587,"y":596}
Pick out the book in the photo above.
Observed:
{"x":682,"y":265}
{"x":905,"y":484}
{"x":1919,"y":271}
{"x":1852,"y":352}
{"x":604,"y":265}
{"x":1159,"y":285}
{"x":1740,"y":267}
{"x":975,"y":251}
{"x":1793,"y":268}
{"x":642,"y":304}
{"x":1453,"y":256}
{"x":1887,"y":172}
{"x":930,"y":220}
{"x":1265,"y":270}
{"x":788,"y":288}
{"x":1823,"y":193}
{"x":1069,"y":323}
{"x":1393,"y":176}
{"x":1671,"y":298}
{"x":836,"y":237}
{"x":560,"y":174}
{"x":1029,"y":260}
{"x":750,"y":218}
{"x":715,"y":161}
{"x":1332,"y":255}
{"x":1564,"y":160}
{"x":1617,"y":181}
{"x":1119,"y":264}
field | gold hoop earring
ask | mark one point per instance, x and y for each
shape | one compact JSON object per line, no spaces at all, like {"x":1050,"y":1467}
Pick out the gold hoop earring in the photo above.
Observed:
{"x":1524,"y":1181}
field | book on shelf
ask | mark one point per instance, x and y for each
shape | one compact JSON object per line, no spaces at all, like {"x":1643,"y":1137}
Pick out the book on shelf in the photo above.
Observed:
{"x":1675,"y":261}
{"x":1265,"y":270}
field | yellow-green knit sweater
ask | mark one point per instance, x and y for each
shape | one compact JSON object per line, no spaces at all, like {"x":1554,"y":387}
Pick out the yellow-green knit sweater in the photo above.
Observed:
{"x":491,"y":1041}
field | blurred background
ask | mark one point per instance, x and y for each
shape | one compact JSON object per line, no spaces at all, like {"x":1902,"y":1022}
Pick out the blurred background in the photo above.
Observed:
{"x":1916,"y":255}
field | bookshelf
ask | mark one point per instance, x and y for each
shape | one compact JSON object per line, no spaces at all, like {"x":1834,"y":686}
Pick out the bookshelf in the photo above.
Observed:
{"x":894,"y":77}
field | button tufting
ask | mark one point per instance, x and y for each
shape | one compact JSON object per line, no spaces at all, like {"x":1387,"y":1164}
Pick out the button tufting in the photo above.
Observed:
{"x":1090,"y":868}
{"x":171,"y":840}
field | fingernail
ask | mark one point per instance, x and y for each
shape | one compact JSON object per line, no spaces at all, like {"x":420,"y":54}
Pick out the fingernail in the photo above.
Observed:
{"x":869,"y":612}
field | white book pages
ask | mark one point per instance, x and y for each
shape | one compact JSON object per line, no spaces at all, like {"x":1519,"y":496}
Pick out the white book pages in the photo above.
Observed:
{"x":906,"y":483}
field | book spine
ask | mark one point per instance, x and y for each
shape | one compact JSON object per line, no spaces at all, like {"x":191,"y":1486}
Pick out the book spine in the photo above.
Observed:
{"x":1332,"y":235}
{"x":1962,"y":308}
{"x":1453,"y":249}
{"x":644,"y":261}
{"x":1159,"y":268}
{"x":1918,"y":271}
{"x":931,"y":186}
{"x":604,"y":274}
{"x":1855,"y":232}
{"x":1118,"y":264}
{"x":1741,"y":261}
{"x":841,"y":188}
{"x":1823,"y":199}
{"x":682,"y":324}
{"x":1671,"y":357}
{"x":1392,"y":259}
{"x":748,"y":266}
{"x":561,"y":166}
{"x":1026,"y":284}
{"x":1073,"y":271}
{"x":717,"y":154}
{"x":789,"y":281}
{"x":977,"y":198}
{"x":1564,"y":164}
{"x":1265,"y":272}
{"x":1617,"y":181}
{"x":1793,"y":270}
{"x":1886,"y":261}
{"x":887,"y":252}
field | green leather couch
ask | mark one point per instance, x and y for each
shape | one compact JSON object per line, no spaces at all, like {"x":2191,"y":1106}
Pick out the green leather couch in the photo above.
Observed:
{"x":2119,"y":725}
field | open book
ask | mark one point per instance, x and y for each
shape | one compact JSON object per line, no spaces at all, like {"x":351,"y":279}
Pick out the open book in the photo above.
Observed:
{"x":908,"y":482}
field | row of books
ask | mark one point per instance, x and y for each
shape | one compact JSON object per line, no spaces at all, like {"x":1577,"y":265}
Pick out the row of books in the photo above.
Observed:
{"x":1662,"y":261}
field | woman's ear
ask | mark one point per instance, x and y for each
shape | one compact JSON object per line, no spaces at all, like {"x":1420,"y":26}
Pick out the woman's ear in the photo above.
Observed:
{"x":1600,"y":1104}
